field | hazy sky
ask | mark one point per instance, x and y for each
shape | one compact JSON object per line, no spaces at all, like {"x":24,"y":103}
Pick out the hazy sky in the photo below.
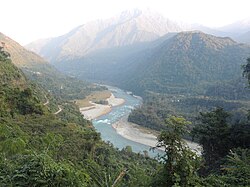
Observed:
{"x":29,"y":20}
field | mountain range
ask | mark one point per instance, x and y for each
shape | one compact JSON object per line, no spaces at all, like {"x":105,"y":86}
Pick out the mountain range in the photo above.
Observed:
{"x":143,"y":51}
{"x":128,"y":28}
{"x":186,"y":62}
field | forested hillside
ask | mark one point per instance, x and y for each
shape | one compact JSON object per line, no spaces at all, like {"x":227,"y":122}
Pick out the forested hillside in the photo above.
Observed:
{"x":39,"y":148}
{"x":185,"y":63}
{"x":44,"y":74}
{"x":188,"y":63}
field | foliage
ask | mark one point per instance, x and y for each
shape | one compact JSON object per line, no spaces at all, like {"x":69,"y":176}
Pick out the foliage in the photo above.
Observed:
{"x":237,"y":168}
{"x":213,"y":134}
{"x":180,"y":163}
{"x":40,"y":170}
{"x":218,"y":137}
{"x":58,"y":84}
{"x":39,"y":148}
{"x":156,"y":107}
{"x":246,"y":70}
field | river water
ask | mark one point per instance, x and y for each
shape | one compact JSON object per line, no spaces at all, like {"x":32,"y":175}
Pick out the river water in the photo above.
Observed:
{"x":104,"y":123}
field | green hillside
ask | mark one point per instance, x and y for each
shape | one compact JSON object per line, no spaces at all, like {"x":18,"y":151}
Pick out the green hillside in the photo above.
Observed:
{"x":16,"y":96}
{"x":188,"y":63}
{"x":40,"y":148}
{"x":185,"y":63}
{"x":40,"y":71}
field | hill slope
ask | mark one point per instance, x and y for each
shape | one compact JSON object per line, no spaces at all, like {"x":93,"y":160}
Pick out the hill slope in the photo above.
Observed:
{"x":39,"y":70}
{"x":187,"y":62}
{"x":16,"y":95}
{"x":19,"y":55}
{"x":52,"y":149}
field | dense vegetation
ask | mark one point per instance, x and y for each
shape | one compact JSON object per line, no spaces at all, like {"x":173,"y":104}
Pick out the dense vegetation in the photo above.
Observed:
{"x":186,"y":63}
{"x":225,"y":157}
{"x":156,"y":107}
{"x":58,"y":84}
{"x":45,"y":75}
{"x":39,"y":148}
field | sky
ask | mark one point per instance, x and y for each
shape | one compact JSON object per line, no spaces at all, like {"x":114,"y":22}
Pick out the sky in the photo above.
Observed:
{"x":28,"y":20}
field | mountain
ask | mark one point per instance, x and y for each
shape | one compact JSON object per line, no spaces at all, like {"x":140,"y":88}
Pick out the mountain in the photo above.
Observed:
{"x":128,"y":28}
{"x":42,"y":148}
{"x":244,"y":38}
{"x":187,"y":62}
{"x":43,"y":73}
{"x":238,"y":27}
{"x":19,"y":55}
{"x":16,"y":95}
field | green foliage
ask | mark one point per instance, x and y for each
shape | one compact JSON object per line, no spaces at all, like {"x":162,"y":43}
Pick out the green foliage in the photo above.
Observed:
{"x":213,"y":134}
{"x":17,"y":101}
{"x":39,"y":148}
{"x":237,"y":168}
{"x":180,"y":163}
{"x":58,"y":84}
{"x":13,"y":140}
{"x":240,"y":134}
{"x":218,"y":137}
{"x":40,"y":170}
{"x":246,"y":70}
{"x":56,"y":146}
{"x":156,"y":107}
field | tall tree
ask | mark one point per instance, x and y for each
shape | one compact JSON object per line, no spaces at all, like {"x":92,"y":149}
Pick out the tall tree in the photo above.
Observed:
{"x":246,"y":70}
{"x":213,"y":133}
{"x":180,"y":163}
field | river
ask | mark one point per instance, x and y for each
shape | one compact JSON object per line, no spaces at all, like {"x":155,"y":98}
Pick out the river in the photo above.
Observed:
{"x":104,"y":123}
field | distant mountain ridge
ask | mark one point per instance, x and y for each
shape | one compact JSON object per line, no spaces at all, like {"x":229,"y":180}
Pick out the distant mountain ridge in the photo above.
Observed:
{"x":143,"y":51}
{"x":187,"y":62}
{"x":238,"y":27}
{"x":128,"y":28}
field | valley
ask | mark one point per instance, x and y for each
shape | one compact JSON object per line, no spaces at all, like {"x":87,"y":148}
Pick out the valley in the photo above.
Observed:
{"x":135,"y":99}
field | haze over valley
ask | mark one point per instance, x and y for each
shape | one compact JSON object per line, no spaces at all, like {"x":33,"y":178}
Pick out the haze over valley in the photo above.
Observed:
{"x":156,"y":95}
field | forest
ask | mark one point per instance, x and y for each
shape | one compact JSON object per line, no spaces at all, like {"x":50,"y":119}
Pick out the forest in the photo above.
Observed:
{"x":40,"y":148}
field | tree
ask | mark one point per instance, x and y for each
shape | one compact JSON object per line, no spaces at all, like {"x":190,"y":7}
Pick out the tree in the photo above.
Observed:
{"x":213,"y":133}
{"x":180,"y":163}
{"x":237,"y":168}
{"x":246,"y":70}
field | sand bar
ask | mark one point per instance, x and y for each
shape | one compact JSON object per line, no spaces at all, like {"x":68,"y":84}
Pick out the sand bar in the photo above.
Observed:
{"x":113,"y":101}
{"x":138,"y":134}
{"x":132,"y":132}
{"x":97,"y":110}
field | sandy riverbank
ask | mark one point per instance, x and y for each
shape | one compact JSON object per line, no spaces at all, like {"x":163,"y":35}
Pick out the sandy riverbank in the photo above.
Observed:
{"x":132,"y":132}
{"x":141,"y":135}
{"x":113,"y":101}
{"x":97,"y":110}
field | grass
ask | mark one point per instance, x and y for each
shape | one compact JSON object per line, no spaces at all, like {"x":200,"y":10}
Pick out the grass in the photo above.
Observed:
{"x":94,"y":97}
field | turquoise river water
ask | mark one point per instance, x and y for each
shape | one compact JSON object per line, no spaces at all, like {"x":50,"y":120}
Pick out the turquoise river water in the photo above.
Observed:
{"x":104,"y":123}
